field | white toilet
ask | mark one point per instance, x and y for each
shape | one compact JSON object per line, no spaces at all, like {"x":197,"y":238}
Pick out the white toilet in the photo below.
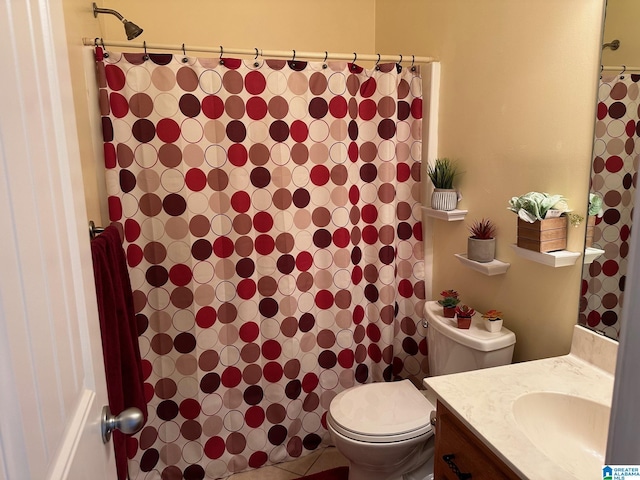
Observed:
{"x":384,"y":428}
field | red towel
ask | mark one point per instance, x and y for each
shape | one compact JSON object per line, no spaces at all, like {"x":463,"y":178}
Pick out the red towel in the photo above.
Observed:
{"x":122,"y":363}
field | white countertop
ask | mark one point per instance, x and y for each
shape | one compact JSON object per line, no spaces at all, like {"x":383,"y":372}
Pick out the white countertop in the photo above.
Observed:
{"x":483,"y":400}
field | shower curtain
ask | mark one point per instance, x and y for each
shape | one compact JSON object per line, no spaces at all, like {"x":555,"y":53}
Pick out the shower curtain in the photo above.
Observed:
{"x":271,"y":218}
{"x":613,"y":177}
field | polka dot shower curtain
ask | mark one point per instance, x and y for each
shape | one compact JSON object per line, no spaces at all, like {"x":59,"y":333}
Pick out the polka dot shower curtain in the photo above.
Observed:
{"x":613,"y":177}
{"x":271,"y":219}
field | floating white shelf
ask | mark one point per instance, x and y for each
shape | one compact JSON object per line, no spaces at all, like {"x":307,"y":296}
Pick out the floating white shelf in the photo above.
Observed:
{"x":561,"y":258}
{"x":449,"y":216}
{"x":494,"y":267}
{"x":590,"y":254}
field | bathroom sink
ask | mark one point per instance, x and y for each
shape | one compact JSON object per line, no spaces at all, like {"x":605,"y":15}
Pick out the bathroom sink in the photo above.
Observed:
{"x":571,"y":431}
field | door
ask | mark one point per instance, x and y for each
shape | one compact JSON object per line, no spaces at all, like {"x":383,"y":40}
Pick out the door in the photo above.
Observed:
{"x":53,"y":385}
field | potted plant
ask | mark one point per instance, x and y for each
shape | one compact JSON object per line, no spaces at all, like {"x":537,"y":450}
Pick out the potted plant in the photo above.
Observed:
{"x":442,"y":173}
{"x":493,"y":320}
{"x":463,"y":315}
{"x":449,"y":301}
{"x":594,"y":210}
{"x":481,"y":245}
{"x":542,"y":223}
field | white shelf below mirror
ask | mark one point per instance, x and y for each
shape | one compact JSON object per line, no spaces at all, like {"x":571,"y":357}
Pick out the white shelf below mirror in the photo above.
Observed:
{"x":448,"y":215}
{"x":494,"y":267}
{"x":561,"y":258}
{"x":590,"y":254}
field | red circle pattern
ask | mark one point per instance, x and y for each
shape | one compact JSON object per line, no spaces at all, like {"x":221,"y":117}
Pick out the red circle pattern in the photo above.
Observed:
{"x":273,"y":236}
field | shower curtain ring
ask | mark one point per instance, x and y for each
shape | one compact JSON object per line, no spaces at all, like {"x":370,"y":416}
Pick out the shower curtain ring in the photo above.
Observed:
{"x":624,"y":69}
{"x":353,"y":64}
{"x":184,"y":52}
{"x":145,"y":56}
{"x":256,"y":64}
{"x":221,"y":53}
{"x":256,"y":57}
{"x":413,"y":61}
{"x":324,"y":62}
{"x":105,"y":54}
{"x":377,"y":67}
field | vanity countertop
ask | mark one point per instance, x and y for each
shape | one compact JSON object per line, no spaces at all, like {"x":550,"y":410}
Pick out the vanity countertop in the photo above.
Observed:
{"x":483,"y":400}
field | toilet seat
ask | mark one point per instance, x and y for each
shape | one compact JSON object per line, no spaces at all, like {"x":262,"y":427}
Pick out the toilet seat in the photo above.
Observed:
{"x":381,"y":412}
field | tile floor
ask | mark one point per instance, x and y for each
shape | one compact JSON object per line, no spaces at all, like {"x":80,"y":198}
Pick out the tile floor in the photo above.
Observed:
{"x":321,"y":459}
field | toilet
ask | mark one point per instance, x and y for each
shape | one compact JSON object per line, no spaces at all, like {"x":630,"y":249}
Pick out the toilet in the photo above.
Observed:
{"x":384,"y":429}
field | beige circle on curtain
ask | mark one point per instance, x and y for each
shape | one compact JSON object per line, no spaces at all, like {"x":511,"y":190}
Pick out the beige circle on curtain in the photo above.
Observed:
{"x":281,"y":177}
{"x":179,"y":252}
{"x":158,"y":298}
{"x":298,"y":108}
{"x":291,"y":348}
{"x":280,"y":153}
{"x":318,"y":131}
{"x":197,"y":203}
{"x":342,"y":258}
{"x":347,"y":379}
{"x":210,"y":82}
{"x":170,"y":453}
{"x":192,"y":452}
{"x":325,"y":319}
{"x":169,"y":432}
{"x":300,"y":176}
{"x":121,"y":131}
{"x":274,"y":393}
{"x":306,"y":302}
{"x":146,"y":155}
{"x":163,"y":366}
{"x":258,"y":132}
{"x":203,"y":273}
{"x":172,"y":180}
{"x":166,"y":105}
{"x":211,"y":405}
{"x":207,"y":338}
{"x":277,"y":82}
{"x":257,"y":439}
{"x":229,"y":355}
{"x":248,"y":311}
{"x":239,"y":179}
{"x":187,"y":364}
{"x":337,"y":83}
{"x":138,"y":79}
{"x":188,"y":387}
{"x":183,"y":320}
{"x":311,"y":422}
{"x":329,"y":379}
{"x":129,"y":205}
{"x":191,"y":130}
{"x":145,"y":346}
{"x":215,"y":469}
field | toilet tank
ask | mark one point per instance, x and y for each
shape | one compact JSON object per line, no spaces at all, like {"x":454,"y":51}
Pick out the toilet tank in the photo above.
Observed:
{"x":452,"y":349}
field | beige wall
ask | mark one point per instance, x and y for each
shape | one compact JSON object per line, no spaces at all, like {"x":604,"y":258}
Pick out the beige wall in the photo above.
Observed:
{"x":517,"y":107}
{"x":518,"y":83}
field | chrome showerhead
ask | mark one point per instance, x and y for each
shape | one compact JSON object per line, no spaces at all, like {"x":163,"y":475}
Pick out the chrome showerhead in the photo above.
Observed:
{"x":131,"y":29}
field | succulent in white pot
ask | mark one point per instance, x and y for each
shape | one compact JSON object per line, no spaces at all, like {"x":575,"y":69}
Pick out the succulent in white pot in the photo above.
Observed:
{"x":492,"y":320}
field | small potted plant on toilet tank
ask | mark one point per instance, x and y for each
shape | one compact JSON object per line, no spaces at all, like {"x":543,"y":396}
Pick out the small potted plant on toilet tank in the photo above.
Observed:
{"x":449,"y":301}
{"x":493,"y":320}
{"x":463,"y":315}
{"x":481,"y":245}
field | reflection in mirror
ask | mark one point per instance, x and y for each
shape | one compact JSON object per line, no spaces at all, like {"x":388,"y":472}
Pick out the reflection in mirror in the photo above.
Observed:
{"x":614,"y":169}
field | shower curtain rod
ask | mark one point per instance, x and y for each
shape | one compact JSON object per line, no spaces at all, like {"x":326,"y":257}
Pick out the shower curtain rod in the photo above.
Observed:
{"x":619,"y":68}
{"x":255,"y":52}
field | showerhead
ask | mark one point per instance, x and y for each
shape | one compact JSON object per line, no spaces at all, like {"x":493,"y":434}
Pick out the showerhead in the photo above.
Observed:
{"x":131,"y":29}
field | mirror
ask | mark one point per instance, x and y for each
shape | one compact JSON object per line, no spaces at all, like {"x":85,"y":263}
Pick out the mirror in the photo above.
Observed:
{"x":614,"y":169}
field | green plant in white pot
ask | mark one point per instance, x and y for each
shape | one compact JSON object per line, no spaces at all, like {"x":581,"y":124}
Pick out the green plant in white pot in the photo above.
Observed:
{"x":442,"y":174}
{"x":594,"y":211}
{"x":481,"y":245}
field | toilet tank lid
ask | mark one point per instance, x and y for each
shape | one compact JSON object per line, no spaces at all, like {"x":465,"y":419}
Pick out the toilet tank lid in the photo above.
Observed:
{"x":476,"y":337}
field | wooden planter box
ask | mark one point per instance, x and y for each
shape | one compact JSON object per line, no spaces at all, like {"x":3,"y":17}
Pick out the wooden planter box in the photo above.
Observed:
{"x":544,"y":235}
{"x":591,"y":225}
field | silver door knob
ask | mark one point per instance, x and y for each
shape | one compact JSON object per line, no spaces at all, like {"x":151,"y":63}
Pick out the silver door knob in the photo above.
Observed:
{"x":128,"y":421}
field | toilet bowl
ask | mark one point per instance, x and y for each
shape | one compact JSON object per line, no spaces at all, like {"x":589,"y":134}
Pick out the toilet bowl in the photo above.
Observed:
{"x":384,"y":428}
